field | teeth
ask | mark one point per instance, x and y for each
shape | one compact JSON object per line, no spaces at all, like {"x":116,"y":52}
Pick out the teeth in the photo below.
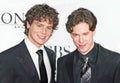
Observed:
{"x":42,"y":36}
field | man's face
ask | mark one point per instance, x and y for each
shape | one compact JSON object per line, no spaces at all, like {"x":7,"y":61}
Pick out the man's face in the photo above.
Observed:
{"x":83,"y":37}
{"x":39,"y":32}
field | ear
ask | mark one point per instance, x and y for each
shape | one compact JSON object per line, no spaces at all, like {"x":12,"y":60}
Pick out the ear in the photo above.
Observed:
{"x":28,"y":25}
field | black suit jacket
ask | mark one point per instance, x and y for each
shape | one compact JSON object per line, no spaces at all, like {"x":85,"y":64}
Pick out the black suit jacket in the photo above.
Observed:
{"x":105,"y":67}
{"x":16,"y":65}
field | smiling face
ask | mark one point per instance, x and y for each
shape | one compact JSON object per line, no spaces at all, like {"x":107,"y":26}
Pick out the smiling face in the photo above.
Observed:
{"x":39,"y":32}
{"x":83,"y":37}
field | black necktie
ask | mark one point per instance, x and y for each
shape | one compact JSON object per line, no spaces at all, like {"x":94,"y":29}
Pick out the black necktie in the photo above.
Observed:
{"x":86,"y":72}
{"x":42,"y":68}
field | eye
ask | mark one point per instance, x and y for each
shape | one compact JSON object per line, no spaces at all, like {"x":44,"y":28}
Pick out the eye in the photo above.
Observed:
{"x":74,"y":35}
{"x":39,"y":25}
{"x":49,"y":27}
{"x":86,"y":33}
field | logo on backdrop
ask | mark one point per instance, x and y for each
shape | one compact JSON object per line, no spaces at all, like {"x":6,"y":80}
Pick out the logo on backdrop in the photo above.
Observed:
{"x":61,"y":50}
{"x":12,"y":19}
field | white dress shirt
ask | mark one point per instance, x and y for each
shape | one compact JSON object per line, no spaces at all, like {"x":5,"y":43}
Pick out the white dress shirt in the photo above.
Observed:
{"x":32,"y":50}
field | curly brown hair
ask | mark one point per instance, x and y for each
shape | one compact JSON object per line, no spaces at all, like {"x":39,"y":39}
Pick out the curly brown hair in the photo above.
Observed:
{"x":41,"y":12}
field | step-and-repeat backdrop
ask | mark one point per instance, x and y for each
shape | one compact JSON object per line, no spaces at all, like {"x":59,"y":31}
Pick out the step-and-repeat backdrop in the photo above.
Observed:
{"x":107,"y":12}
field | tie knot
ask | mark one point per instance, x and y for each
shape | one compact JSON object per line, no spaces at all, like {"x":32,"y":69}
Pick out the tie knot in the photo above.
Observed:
{"x":86,"y":60}
{"x":40,"y":52}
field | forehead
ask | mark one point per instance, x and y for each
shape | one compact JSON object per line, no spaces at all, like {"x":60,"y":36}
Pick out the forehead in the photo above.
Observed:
{"x":81,"y":27}
{"x":43,"y":23}
{"x":46,"y":19}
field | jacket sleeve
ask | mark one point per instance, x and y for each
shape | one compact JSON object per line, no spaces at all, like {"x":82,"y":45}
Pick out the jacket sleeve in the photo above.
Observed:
{"x":6,"y":73}
{"x":117,"y":74}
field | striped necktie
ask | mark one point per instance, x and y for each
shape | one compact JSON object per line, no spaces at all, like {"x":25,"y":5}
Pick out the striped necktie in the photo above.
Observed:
{"x":86,"y":72}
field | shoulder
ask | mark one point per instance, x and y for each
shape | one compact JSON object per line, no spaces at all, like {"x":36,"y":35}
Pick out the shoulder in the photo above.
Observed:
{"x":107,"y":51}
{"x":12,"y":50}
{"x":67,"y":57}
{"x":108,"y":54}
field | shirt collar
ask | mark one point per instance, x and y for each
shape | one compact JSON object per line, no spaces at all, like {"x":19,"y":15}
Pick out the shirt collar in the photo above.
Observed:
{"x":31,"y":47}
{"x":92,"y":55}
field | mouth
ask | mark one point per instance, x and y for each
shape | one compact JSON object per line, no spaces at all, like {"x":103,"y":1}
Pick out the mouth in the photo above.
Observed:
{"x":82,"y":46}
{"x":41,"y":37}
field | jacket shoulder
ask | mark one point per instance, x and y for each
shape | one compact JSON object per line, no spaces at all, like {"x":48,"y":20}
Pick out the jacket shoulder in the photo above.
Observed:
{"x":67,"y":57}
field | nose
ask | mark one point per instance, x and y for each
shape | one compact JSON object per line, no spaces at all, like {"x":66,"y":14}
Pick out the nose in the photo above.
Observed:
{"x":81,"y":39}
{"x":44,"y":30}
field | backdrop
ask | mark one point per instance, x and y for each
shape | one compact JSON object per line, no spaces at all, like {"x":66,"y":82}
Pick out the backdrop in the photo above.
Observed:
{"x":107,"y":12}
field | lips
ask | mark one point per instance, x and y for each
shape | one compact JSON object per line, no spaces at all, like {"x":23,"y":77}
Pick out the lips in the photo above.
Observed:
{"x":42,"y":37}
{"x":82,"y":46}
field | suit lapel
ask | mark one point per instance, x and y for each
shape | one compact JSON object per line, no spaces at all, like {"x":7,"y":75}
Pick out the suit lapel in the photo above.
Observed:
{"x":69,"y":66}
{"x":52,"y":60}
{"x":27,"y":62}
{"x":50,"y":56}
{"x":73,"y":67}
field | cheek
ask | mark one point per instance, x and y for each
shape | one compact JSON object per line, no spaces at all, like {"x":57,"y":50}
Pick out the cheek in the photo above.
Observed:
{"x":32,"y":32}
{"x":88,"y":38}
{"x":76,"y":41}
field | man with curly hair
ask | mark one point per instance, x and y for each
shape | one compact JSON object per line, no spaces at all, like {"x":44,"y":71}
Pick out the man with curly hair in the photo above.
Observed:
{"x":20,"y":64}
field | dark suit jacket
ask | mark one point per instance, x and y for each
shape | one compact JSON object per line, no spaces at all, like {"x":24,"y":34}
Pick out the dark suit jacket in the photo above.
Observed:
{"x":105,"y":67}
{"x":16,"y":65}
